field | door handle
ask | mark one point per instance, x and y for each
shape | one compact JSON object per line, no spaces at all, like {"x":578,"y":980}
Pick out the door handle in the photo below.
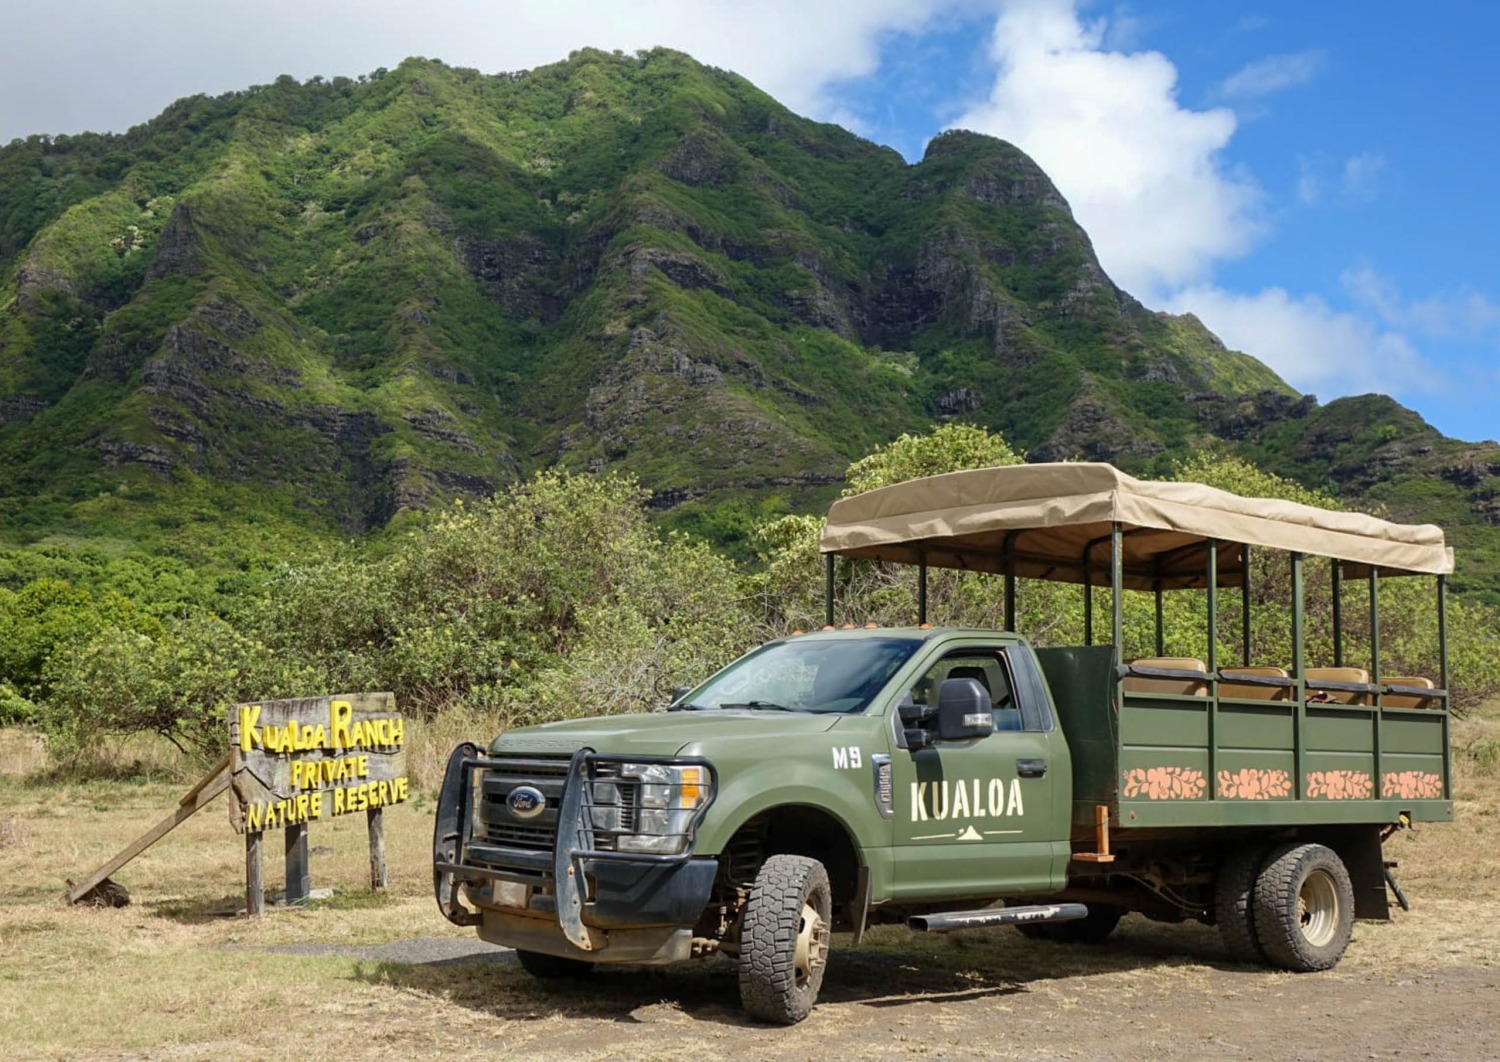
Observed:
{"x":1031,"y":768}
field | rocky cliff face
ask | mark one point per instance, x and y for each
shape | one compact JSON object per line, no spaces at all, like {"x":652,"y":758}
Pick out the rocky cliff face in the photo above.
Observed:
{"x":356,"y":298}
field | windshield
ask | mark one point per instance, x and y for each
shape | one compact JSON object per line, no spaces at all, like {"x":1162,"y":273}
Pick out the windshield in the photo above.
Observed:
{"x":806,"y":676}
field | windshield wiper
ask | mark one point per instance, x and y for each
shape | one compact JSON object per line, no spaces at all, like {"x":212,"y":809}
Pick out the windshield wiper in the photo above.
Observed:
{"x":767,"y":706}
{"x":689,"y":708}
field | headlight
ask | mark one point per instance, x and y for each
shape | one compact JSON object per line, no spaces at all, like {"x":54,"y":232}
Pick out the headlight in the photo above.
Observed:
{"x":670,"y":796}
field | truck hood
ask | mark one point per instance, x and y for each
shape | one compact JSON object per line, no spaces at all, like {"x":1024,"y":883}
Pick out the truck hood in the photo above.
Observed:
{"x":660,"y":733}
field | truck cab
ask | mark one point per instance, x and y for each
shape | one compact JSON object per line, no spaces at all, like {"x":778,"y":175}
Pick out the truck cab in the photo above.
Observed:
{"x":915,"y":766}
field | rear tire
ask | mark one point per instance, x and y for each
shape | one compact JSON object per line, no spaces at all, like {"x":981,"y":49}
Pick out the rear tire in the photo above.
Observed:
{"x":1093,"y":928}
{"x":553,"y":967}
{"x":1234,"y":903}
{"x":784,"y":939}
{"x":1304,"y":908}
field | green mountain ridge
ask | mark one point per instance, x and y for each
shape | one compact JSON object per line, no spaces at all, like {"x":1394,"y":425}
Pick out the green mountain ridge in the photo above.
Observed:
{"x":325,"y":305}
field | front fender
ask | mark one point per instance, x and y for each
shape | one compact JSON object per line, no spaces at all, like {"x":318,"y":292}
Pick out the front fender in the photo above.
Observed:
{"x":748,"y":789}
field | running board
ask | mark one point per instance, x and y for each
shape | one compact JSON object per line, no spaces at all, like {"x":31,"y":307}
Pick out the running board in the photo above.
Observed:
{"x":997,"y":916}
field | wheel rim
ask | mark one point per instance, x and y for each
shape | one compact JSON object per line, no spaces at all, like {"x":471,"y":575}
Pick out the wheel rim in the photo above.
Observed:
{"x":812,"y":944}
{"x":1318,"y":909}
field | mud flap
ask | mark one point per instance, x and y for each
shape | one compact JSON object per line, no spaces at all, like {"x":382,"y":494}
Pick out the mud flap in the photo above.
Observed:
{"x":447,"y":835}
{"x":575,"y":833}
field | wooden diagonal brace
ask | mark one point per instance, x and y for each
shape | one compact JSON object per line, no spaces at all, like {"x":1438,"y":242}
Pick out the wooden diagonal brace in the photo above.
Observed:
{"x":210,"y":786}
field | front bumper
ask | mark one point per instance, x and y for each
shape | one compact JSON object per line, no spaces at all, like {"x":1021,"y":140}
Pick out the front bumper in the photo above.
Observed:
{"x":576,"y":899}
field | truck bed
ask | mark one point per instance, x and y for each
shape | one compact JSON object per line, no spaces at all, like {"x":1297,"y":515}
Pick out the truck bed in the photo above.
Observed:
{"x":1162,"y":760}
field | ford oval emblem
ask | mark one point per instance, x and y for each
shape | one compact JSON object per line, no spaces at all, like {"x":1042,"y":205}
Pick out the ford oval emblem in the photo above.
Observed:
{"x":526,"y":802}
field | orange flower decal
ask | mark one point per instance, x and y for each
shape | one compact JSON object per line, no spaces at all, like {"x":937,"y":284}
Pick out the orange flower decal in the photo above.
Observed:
{"x":1251,"y":783}
{"x":1412,"y":785}
{"x":1340,"y":785}
{"x":1165,"y":783}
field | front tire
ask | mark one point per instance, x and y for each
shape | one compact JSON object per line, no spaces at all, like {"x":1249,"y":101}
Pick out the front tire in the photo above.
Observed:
{"x":784,"y":939}
{"x":553,"y":967}
{"x":1304,"y":908}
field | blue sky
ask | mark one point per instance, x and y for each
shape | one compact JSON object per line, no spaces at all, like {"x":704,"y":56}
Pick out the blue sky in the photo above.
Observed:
{"x":1316,"y":181}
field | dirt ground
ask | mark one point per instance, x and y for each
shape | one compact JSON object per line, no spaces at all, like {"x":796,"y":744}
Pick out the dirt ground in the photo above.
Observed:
{"x":1149,"y":993}
{"x":178,"y":975}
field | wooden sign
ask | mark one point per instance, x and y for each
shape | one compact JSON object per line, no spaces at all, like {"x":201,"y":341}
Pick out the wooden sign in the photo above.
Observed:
{"x":309,"y":759}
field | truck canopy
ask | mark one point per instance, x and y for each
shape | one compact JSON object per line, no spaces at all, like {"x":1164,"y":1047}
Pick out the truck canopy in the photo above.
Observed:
{"x":1054,"y":521}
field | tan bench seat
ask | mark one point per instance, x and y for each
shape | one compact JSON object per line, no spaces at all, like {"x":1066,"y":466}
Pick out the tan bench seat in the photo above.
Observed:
{"x":1254,"y":690}
{"x":1316,"y":676}
{"x":1182,"y":685}
{"x":1402,"y":699}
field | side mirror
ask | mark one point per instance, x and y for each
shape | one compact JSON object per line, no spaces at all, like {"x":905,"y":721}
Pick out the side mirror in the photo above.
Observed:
{"x":679,"y":692}
{"x":964,"y":710}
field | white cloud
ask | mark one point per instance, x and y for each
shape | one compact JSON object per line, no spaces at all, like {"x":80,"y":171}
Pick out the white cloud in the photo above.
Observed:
{"x":1141,"y":172}
{"x":1361,"y":178}
{"x":1310,"y":179}
{"x":1311,"y":345}
{"x":1274,"y":73}
{"x":71,"y":65}
{"x":1462,"y":314}
{"x":1356,"y":179}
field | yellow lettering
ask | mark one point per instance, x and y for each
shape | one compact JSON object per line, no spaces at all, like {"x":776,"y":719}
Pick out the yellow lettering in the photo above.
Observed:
{"x":362,"y":766}
{"x":338,"y":801}
{"x":400,"y":784}
{"x":339,"y":715}
{"x":301,"y":807}
{"x":315,"y":805}
{"x":252,"y":817}
{"x":398,"y":732}
{"x":249,"y":716}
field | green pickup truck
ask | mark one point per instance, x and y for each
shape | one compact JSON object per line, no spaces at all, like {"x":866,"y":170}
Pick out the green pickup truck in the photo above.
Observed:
{"x":952,"y":778}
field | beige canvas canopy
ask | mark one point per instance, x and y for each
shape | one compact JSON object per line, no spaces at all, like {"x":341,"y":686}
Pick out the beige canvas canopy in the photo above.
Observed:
{"x":1054,"y":521}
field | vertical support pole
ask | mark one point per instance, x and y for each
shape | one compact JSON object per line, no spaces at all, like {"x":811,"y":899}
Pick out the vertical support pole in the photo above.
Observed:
{"x":1442,"y":609}
{"x":1245,"y":605}
{"x":1213,"y":665}
{"x":1161,"y":641}
{"x":255,"y":886}
{"x":922,"y":588}
{"x":298,"y":874}
{"x":1010,"y":588}
{"x":1213,"y":608}
{"x":1117,"y":591}
{"x":1378,"y":714}
{"x":1299,"y":669}
{"x":1088,"y":602}
{"x":1442,"y":617}
{"x":1338,"y":614}
{"x":375,"y":823}
{"x":828,"y":563}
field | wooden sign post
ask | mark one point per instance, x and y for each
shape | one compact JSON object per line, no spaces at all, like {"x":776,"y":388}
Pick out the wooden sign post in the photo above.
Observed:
{"x":295,"y":762}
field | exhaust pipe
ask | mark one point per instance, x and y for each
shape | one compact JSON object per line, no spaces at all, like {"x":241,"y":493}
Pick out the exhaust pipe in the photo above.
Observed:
{"x":996,"y":916}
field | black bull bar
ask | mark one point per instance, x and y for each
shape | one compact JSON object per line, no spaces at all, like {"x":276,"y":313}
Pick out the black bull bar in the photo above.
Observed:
{"x":574,"y":857}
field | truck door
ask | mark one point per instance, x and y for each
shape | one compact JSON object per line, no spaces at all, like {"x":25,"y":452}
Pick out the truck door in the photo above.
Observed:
{"x":990,"y":815}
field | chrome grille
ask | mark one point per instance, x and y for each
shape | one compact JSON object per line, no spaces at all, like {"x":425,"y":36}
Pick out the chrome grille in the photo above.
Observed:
{"x":495,"y":824}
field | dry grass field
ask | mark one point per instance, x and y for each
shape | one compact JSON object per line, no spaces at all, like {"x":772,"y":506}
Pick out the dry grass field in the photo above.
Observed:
{"x":178,"y":974}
